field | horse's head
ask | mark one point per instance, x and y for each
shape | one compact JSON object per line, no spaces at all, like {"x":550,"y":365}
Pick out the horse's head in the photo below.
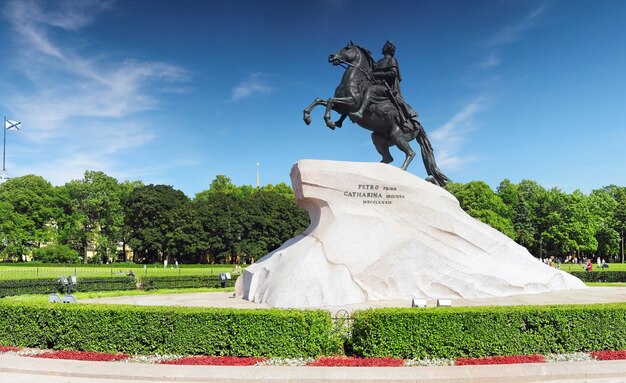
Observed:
{"x":351,"y":54}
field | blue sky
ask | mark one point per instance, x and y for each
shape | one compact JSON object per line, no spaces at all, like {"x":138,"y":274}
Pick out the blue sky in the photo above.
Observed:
{"x":176,"y":92}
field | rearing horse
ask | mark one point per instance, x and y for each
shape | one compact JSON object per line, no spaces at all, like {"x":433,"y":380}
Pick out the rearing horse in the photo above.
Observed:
{"x":382,"y":118}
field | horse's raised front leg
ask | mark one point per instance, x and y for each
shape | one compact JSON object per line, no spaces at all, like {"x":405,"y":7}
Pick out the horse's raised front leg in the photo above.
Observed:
{"x":307,"y":111}
{"x":339,"y":122}
{"x":329,"y":106}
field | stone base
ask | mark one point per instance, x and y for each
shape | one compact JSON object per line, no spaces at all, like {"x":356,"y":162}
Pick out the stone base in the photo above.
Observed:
{"x":380,"y":233}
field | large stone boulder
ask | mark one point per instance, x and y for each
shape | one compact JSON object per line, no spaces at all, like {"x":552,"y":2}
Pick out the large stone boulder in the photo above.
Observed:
{"x":380,"y":233}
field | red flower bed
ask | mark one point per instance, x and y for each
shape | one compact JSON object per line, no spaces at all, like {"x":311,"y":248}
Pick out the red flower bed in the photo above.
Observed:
{"x":215,"y":361}
{"x":340,"y":361}
{"x":609,"y":354}
{"x":511,"y":359}
{"x":8,"y":348}
{"x":81,"y":355}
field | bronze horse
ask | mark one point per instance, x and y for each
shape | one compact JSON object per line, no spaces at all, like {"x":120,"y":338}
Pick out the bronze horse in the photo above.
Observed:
{"x":382,"y":118}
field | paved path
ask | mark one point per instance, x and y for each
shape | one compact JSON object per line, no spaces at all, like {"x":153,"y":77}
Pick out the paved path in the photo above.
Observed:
{"x":224,"y":299}
{"x":24,"y":369}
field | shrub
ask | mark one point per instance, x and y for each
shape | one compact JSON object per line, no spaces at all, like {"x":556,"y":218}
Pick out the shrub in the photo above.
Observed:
{"x":186,"y":281}
{"x":52,"y":285}
{"x":29,"y":286}
{"x":168,"y":330}
{"x":488,"y":331}
{"x":600,"y":276}
{"x":56,"y":254}
{"x":106,"y":284}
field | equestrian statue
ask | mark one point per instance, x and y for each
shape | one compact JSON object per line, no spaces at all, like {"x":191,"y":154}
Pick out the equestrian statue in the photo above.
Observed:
{"x":369,"y":93}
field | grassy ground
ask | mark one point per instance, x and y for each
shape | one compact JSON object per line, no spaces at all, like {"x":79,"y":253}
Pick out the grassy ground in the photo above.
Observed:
{"x":26,"y":271}
{"x":580,"y":267}
{"x":606,"y":284}
{"x":85,"y":271}
{"x":42,"y":298}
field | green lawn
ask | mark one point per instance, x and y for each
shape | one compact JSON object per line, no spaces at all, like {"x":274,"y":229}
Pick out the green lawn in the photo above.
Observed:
{"x":42,"y":298}
{"x":85,"y":271}
{"x":606,"y":284}
{"x":26,"y":271}
{"x":580,"y":267}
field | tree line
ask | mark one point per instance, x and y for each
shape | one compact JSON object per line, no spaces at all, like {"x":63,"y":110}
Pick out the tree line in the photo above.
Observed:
{"x":229,"y":223}
{"x":225,"y":223}
{"x":551,"y":223}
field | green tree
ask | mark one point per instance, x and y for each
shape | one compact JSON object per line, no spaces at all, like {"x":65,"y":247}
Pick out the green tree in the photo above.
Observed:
{"x":244,"y":223}
{"x":620,"y":215}
{"x":520,"y":213}
{"x":56,"y":254}
{"x":126,"y":190}
{"x":570,"y":227}
{"x":27,"y":215}
{"x":15,"y":240}
{"x":603,"y":208}
{"x":221,"y":184}
{"x":479,"y":201}
{"x":619,"y":195}
{"x":93,"y":214}
{"x":159,"y":223}
{"x":221,"y":215}
{"x":532,"y":215}
{"x":273,"y":218}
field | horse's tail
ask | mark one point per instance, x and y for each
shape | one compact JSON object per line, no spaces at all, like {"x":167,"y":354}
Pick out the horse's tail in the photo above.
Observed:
{"x":428,"y":156}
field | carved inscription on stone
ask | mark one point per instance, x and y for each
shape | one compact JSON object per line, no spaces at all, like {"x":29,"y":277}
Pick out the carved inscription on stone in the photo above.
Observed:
{"x":374,"y":194}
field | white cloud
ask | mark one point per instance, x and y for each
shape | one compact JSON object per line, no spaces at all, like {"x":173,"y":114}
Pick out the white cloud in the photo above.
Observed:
{"x":492,"y":61}
{"x":86,"y":104}
{"x":64,"y":14}
{"x":449,"y":138}
{"x":256,"y":83}
{"x":508,"y":35}
{"x":514,"y":32}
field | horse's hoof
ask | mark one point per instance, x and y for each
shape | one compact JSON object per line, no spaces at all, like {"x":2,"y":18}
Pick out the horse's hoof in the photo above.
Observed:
{"x":331,"y":125}
{"x":307,"y":120}
{"x":338,"y":124}
{"x":432,"y":180}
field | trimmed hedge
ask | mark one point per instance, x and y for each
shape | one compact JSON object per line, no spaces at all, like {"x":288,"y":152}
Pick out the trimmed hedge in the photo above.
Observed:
{"x":29,"y":286}
{"x":168,"y":330}
{"x":52,"y":285}
{"x":186,"y":281}
{"x":600,"y":276}
{"x":401,"y":333}
{"x":487,"y":331}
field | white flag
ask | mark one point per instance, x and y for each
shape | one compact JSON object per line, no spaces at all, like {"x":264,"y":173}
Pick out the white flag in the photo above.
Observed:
{"x":12,"y":125}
